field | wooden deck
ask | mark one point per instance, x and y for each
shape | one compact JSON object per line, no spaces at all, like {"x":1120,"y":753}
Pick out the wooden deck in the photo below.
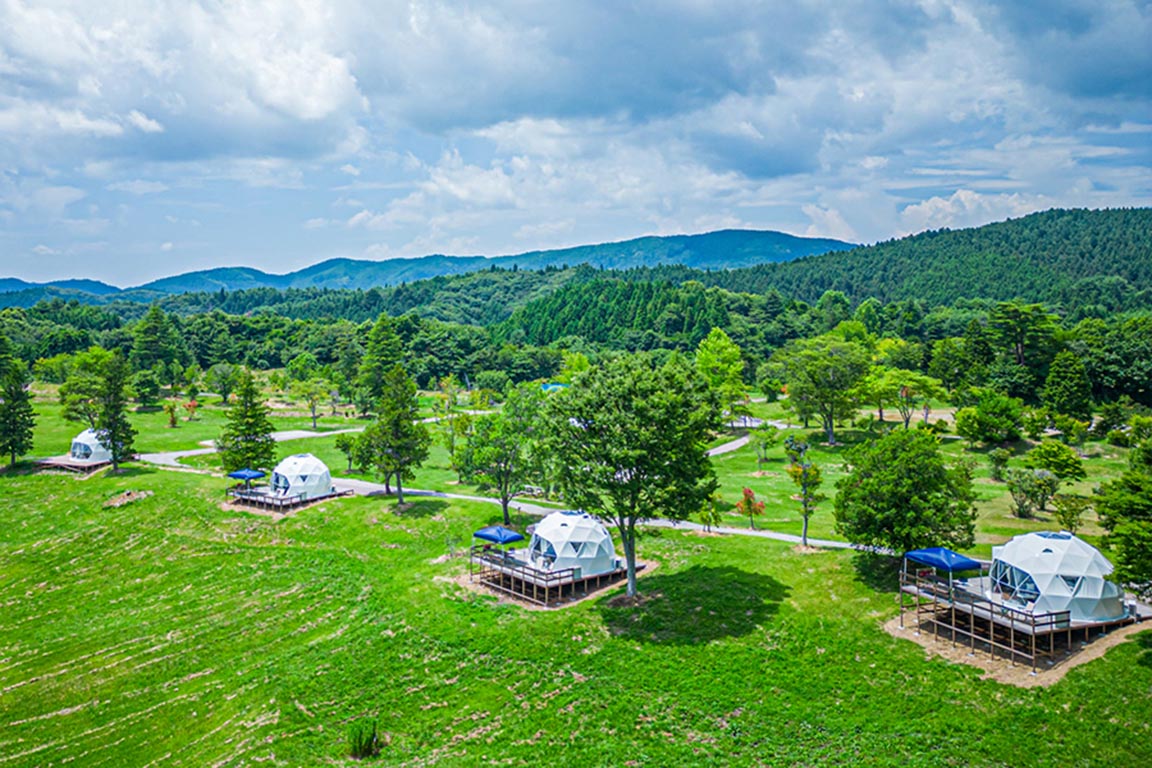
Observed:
{"x":278,"y":502}
{"x":956,"y":611}
{"x":501,"y":572}
{"x":68,"y":464}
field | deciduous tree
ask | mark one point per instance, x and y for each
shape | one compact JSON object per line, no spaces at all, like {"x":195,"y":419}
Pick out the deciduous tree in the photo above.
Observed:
{"x":630,"y":438}
{"x":901,"y":495}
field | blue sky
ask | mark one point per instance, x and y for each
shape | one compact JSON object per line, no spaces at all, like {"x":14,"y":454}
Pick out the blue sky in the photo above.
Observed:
{"x":145,"y":138}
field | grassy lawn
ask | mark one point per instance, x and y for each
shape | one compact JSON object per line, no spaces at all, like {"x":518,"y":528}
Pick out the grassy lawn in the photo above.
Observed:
{"x":169,"y":630}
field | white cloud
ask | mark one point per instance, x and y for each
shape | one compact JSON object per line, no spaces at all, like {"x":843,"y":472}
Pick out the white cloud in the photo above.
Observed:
{"x":143,"y":122}
{"x":139,"y":187}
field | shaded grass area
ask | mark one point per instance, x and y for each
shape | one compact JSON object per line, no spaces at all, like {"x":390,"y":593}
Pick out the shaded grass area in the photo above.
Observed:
{"x":170,"y":630}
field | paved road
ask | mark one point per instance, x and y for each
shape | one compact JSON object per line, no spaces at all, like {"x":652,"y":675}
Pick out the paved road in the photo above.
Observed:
{"x":170,"y":459}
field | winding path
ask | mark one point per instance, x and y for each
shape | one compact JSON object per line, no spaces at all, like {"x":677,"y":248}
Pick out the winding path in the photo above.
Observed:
{"x":171,"y":460}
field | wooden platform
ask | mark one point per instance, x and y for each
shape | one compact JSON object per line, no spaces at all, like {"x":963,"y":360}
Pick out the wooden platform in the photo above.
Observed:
{"x":954,"y":610}
{"x":277,"y":501}
{"x":68,"y":464}
{"x":501,"y":572}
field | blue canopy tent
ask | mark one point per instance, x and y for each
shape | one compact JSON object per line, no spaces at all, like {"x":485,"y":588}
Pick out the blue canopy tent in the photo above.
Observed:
{"x":943,"y":559}
{"x":498,"y":534}
{"x":247,"y":475}
{"x":937,"y":558}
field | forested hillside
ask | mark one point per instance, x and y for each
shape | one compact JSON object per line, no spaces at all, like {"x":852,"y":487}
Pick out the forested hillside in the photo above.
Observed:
{"x":1067,"y":258}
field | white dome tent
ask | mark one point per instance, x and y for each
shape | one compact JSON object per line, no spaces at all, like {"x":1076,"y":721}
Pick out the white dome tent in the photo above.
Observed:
{"x":302,"y":475}
{"x":572,"y":540}
{"x":1048,"y":572}
{"x":87,"y":449}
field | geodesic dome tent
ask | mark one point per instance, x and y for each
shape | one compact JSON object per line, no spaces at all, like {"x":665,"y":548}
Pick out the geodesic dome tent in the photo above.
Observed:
{"x":86,"y":448}
{"x":302,"y":475}
{"x":572,"y":540}
{"x":1047,"y":572}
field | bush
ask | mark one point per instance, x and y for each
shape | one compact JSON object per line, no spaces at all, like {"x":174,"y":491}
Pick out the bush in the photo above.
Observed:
{"x":363,"y":741}
{"x":998,"y":462}
{"x":994,"y":419}
{"x":1119,"y":438}
{"x":1058,"y":459}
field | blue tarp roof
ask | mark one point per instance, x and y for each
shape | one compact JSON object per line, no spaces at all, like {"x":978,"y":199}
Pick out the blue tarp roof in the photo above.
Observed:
{"x":498,"y":534}
{"x":944,"y":559}
{"x":246,"y":474}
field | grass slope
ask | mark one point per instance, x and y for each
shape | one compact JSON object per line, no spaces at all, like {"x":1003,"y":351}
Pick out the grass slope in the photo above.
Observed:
{"x":169,"y":631}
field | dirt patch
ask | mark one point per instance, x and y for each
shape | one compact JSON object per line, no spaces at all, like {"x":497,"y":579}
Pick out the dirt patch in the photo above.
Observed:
{"x":1000,"y":668}
{"x":800,"y":549}
{"x":765,"y":473}
{"x":127,"y":497}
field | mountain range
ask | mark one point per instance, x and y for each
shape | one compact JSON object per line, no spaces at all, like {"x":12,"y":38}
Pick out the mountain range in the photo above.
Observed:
{"x":725,"y":249}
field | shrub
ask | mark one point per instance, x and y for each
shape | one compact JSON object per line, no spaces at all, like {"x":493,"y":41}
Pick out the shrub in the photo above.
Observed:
{"x":1069,"y":510}
{"x":994,"y":419}
{"x":1058,"y":459}
{"x":1119,"y":438}
{"x":998,"y":462}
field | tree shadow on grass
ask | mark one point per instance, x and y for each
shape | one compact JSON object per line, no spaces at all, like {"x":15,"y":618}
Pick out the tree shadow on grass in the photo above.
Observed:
{"x":881,"y":573}
{"x":694,"y":606}
{"x":417,"y":507}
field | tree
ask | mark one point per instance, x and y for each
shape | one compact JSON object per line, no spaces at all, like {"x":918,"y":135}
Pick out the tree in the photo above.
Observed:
{"x":1058,"y":459}
{"x":994,"y":419}
{"x":396,"y":443}
{"x":498,"y":454}
{"x":313,"y":392}
{"x":1031,"y":489}
{"x":1125,"y":508}
{"x":709,"y":514}
{"x":154,"y":341}
{"x":629,"y":439}
{"x":901,"y":495}
{"x":223,"y":379}
{"x":825,"y":372}
{"x":998,"y":463}
{"x":246,"y":442}
{"x":17,"y":417}
{"x":1069,"y":510}
{"x":346,"y":444}
{"x":808,"y":478}
{"x":113,"y":429}
{"x":170,"y":410}
{"x":79,"y":392}
{"x":749,"y":506}
{"x":383,"y":353}
{"x":302,"y":367}
{"x":764,"y":438}
{"x":146,"y":386}
{"x":719,"y":361}
{"x":1067,"y":389}
{"x":949,"y":363}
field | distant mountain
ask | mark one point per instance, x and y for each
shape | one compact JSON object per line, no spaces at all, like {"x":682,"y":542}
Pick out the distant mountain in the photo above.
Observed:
{"x":94,"y":287}
{"x":725,"y":249}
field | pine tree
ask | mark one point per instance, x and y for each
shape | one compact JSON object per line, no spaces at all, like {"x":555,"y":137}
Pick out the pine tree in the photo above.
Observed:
{"x":17,"y":417}
{"x":155,"y":340}
{"x":113,"y":428}
{"x":246,"y":442}
{"x":397,"y":442}
{"x":384,"y":351}
{"x":1067,"y":389}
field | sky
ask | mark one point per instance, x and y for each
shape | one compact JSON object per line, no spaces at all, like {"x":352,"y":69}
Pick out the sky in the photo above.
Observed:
{"x":143,"y":138}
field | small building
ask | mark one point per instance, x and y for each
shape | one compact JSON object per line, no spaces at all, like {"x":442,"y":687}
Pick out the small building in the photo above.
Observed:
{"x":572,"y":540}
{"x":302,"y":477}
{"x":87,"y":449}
{"x":1049,"y":571}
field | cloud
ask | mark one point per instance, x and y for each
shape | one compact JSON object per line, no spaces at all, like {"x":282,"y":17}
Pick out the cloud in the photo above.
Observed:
{"x":143,"y":122}
{"x":138,"y":187}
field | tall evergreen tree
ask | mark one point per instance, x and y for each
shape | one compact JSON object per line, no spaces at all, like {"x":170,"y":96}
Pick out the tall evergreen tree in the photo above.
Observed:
{"x":1067,"y":389}
{"x":155,"y":341}
{"x":246,"y":442}
{"x":17,"y":417}
{"x":397,"y":442}
{"x":113,"y":429}
{"x":384,"y":351}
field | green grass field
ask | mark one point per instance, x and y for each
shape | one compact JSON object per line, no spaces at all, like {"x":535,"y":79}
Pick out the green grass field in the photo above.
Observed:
{"x":170,"y":631}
